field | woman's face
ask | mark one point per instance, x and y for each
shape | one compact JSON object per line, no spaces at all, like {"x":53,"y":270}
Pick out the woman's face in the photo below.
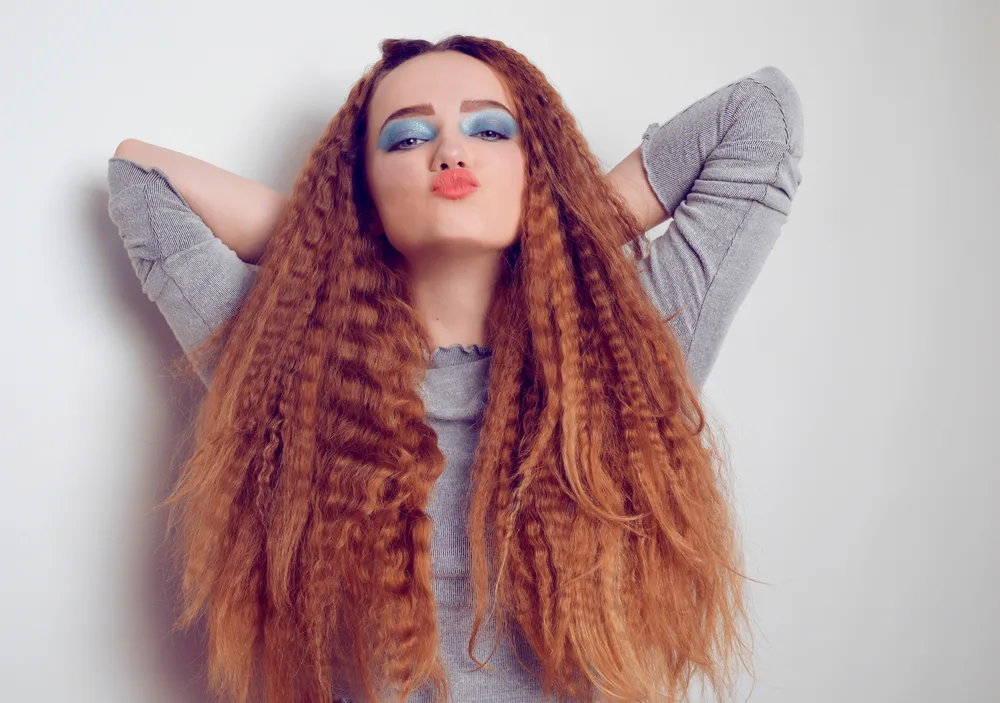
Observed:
{"x":444,"y":127}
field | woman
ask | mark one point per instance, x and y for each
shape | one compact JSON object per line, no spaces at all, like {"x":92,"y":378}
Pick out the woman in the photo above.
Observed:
{"x":447,"y":392}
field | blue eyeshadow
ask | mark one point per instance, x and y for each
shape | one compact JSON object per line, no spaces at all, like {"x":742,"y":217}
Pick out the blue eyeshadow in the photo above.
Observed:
{"x":414,"y":128}
{"x":496,"y":120}
{"x":399,"y":130}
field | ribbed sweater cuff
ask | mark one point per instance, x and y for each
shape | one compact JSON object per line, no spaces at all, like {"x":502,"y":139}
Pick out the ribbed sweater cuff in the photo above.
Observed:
{"x":123,"y":173}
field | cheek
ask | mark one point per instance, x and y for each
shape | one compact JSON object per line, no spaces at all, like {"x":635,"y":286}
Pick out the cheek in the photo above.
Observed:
{"x":513,"y":175}
{"x":391,"y":179}
{"x":395,"y":185}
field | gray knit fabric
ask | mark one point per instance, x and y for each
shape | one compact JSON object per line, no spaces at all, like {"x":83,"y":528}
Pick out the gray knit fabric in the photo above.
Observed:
{"x":726,"y":167}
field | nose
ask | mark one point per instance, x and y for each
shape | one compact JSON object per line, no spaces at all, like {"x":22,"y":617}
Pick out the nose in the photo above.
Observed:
{"x":451,"y":151}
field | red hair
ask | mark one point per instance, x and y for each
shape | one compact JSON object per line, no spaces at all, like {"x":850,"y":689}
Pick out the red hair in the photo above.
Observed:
{"x":599,"y":523}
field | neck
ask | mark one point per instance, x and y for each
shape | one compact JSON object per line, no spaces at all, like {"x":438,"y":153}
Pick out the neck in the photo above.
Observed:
{"x":453,"y":295}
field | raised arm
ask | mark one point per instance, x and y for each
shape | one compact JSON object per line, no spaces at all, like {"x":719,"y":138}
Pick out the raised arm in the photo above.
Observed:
{"x":241,"y":212}
{"x":726,"y":169}
{"x":195,"y":278}
{"x":629,"y":178}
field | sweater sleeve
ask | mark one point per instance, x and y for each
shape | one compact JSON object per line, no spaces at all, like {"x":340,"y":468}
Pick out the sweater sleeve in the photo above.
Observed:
{"x":726,"y":168}
{"x":196,"y":281}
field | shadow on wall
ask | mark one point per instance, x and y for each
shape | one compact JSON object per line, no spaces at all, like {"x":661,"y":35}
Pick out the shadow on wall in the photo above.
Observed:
{"x":172,"y":663}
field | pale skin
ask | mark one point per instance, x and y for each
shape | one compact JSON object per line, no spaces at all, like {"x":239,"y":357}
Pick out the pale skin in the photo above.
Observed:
{"x":452,"y":248}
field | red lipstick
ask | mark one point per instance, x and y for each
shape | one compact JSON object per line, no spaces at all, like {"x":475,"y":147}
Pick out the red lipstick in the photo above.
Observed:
{"x":455,"y":184}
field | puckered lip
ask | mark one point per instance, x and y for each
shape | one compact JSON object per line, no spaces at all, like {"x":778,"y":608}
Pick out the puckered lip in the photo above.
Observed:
{"x":458,"y":176}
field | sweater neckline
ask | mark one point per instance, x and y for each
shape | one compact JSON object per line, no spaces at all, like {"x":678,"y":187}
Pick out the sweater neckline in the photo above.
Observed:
{"x":456,"y":385}
{"x":457,"y":353}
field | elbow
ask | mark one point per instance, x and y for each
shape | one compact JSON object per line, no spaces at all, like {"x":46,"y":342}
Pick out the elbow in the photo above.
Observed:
{"x":126,"y":147}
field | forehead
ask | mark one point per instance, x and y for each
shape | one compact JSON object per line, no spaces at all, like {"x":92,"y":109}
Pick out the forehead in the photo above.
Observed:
{"x":443,"y":79}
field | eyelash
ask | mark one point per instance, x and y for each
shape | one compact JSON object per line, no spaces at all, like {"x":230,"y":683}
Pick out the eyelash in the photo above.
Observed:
{"x":396,"y":147}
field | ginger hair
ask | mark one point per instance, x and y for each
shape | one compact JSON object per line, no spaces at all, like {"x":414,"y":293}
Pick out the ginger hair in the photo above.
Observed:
{"x":599,"y":522}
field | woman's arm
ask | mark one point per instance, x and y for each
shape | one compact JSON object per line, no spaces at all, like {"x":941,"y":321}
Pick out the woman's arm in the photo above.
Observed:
{"x":629,"y":179}
{"x":239,"y":211}
{"x":194,"y":278}
{"x":726,"y":168}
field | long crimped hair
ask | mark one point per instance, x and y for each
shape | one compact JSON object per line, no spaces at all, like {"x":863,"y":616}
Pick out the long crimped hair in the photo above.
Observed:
{"x":599,"y":523}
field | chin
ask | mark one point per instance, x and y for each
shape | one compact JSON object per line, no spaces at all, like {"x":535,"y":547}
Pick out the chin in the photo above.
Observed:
{"x":478,"y":241}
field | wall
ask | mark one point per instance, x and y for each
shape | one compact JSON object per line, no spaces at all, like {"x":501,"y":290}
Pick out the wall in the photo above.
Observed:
{"x":856,"y":385}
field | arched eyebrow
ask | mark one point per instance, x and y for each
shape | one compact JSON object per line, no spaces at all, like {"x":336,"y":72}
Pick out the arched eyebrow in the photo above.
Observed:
{"x":428,"y":109}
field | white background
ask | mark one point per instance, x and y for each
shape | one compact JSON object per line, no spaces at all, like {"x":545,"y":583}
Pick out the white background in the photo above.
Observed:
{"x":857,"y":385}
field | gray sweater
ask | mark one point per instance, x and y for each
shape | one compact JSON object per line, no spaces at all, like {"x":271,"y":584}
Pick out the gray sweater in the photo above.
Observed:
{"x":726,"y":167}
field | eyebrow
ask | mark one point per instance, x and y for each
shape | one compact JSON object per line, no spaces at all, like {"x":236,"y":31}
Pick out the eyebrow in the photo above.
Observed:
{"x":428,"y":109}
